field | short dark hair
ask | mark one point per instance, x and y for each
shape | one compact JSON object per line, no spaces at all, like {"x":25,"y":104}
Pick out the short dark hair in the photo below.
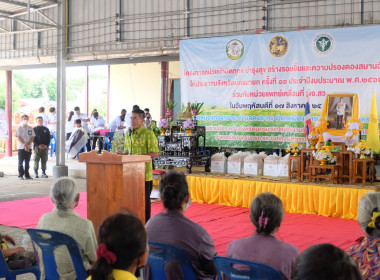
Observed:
{"x":96,"y":114}
{"x":266,"y":212}
{"x":23,"y":116}
{"x":52,"y":109}
{"x":41,"y":109}
{"x":125,"y":236}
{"x":140,"y":112}
{"x":39,"y":117}
{"x":135,"y":107}
{"x":325,"y":261}
{"x":76,"y":108}
{"x":123,"y":110}
{"x":146,"y":109}
{"x":173,"y":190}
{"x":78,"y":121}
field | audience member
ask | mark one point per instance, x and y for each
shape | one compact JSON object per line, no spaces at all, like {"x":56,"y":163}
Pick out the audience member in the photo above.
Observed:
{"x":173,"y":228}
{"x":367,"y":253}
{"x":52,"y":120}
{"x":16,"y":258}
{"x":263,"y":247}
{"x":69,"y":125}
{"x":142,"y":141}
{"x":25,"y":136}
{"x":85,"y":119}
{"x":325,"y":262}
{"x":41,"y":113}
{"x":41,"y":147}
{"x":123,"y":248}
{"x":118,"y":123}
{"x":98,"y":123}
{"x":65,"y":195}
{"x":77,"y":140}
{"x":148,"y":121}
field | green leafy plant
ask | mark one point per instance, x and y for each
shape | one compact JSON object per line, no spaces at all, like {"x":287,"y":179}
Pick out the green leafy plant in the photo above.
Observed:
{"x":197,"y":106}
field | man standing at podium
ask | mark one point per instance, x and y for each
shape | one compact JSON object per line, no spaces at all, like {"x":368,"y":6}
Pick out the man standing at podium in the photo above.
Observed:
{"x":142,"y":141}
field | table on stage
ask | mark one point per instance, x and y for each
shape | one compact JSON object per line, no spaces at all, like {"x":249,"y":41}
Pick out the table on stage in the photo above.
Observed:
{"x":318,"y":171}
{"x":360,"y":170}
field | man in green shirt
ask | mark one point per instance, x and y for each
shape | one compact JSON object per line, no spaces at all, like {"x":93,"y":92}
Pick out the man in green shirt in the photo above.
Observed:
{"x":142,"y":141}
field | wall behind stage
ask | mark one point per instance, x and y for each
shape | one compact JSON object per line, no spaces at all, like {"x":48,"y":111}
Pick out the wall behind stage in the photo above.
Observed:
{"x":139,"y":84}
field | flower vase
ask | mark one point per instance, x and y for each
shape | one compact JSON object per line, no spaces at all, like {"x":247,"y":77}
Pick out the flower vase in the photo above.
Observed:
{"x":362,"y":156}
{"x":163,"y":132}
{"x":323,"y":161}
{"x":188,"y":132}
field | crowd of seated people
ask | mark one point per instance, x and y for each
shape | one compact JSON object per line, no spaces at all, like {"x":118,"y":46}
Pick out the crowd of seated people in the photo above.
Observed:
{"x":123,"y":241}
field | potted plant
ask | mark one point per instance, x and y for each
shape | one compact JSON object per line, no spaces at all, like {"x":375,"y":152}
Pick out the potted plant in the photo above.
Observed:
{"x":196,"y":108}
{"x":294,"y":147}
{"x":361,"y":149}
{"x":188,"y":126}
{"x":163,"y":126}
{"x":324,"y":156}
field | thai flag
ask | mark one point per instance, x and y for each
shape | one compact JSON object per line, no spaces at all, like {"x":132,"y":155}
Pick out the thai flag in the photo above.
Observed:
{"x":308,"y":127}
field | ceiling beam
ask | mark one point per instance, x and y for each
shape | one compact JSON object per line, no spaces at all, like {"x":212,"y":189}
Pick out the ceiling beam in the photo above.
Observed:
{"x":6,"y":12}
{"x":28,"y":21}
{"x":21,"y":4}
{"x":46,"y":17}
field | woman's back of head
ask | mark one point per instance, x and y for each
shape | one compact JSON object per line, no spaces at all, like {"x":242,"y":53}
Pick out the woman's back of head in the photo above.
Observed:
{"x":64,"y":194}
{"x":266,"y":213}
{"x":369,"y":213}
{"x":173,"y":190}
{"x":122,"y":239}
{"x":325,"y":262}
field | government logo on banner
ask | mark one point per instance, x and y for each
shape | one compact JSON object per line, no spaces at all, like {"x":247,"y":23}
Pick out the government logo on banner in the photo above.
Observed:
{"x":278,"y":46}
{"x":323,"y":43}
{"x":234,"y":49}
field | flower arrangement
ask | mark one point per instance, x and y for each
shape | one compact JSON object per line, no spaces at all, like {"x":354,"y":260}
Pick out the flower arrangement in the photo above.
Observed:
{"x":196,"y":108}
{"x":164,"y":124}
{"x":188,"y":125}
{"x":361,"y":149}
{"x":294,"y":147}
{"x":313,"y":137}
{"x":324,"y":155}
{"x":170,"y":108}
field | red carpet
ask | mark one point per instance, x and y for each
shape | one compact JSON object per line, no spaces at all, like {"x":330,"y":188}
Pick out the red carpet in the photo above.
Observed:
{"x":223,"y":223}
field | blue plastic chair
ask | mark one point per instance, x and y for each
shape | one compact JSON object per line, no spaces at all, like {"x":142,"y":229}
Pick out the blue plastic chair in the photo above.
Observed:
{"x":9,"y":274}
{"x":249,"y":270}
{"x":53,"y":145}
{"x":108,"y":141}
{"x":160,"y":254}
{"x":48,"y":241}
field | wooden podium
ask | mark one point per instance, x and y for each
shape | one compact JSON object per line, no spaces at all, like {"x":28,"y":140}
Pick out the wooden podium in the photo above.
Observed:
{"x":114,"y":181}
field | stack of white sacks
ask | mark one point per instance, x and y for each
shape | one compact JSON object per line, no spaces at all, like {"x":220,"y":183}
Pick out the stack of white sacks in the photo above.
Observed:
{"x":219,"y":163}
{"x":253,"y":164}
{"x":276,"y":166}
{"x":235,"y":163}
{"x":250,"y":164}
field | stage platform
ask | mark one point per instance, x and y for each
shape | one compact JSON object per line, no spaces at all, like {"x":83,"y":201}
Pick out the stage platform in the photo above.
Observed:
{"x":330,"y":200}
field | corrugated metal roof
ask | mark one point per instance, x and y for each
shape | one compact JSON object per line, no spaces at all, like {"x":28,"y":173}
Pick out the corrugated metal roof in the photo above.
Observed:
{"x":14,"y":7}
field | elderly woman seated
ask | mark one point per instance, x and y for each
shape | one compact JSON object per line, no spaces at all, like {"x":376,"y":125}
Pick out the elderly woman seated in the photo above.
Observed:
{"x":367,"y":253}
{"x":173,"y":228}
{"x":263,"y":247}
{"x":325,"y":261}
{"x":65,"y":195}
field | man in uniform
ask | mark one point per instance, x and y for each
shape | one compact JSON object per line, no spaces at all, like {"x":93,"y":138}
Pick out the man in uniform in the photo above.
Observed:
{"x":25,"y":136}
{"x":142,"y":141}
{"x":41,"y":144}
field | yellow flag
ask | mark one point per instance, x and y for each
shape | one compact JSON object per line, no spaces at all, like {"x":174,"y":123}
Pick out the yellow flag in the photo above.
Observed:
{"x":373,"y":127}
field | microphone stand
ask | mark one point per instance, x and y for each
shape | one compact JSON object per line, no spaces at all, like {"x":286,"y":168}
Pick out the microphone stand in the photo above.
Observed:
{"x":130,"y":139}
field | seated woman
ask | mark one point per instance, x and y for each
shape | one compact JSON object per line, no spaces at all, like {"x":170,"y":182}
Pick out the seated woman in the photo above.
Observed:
{"x":173,"y":228}
{"x":263,"y":247}
{"x":65,"y":195}
{"x":367,"y":253}
{"x":325,"y":261}
{"x":123,"y":248}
